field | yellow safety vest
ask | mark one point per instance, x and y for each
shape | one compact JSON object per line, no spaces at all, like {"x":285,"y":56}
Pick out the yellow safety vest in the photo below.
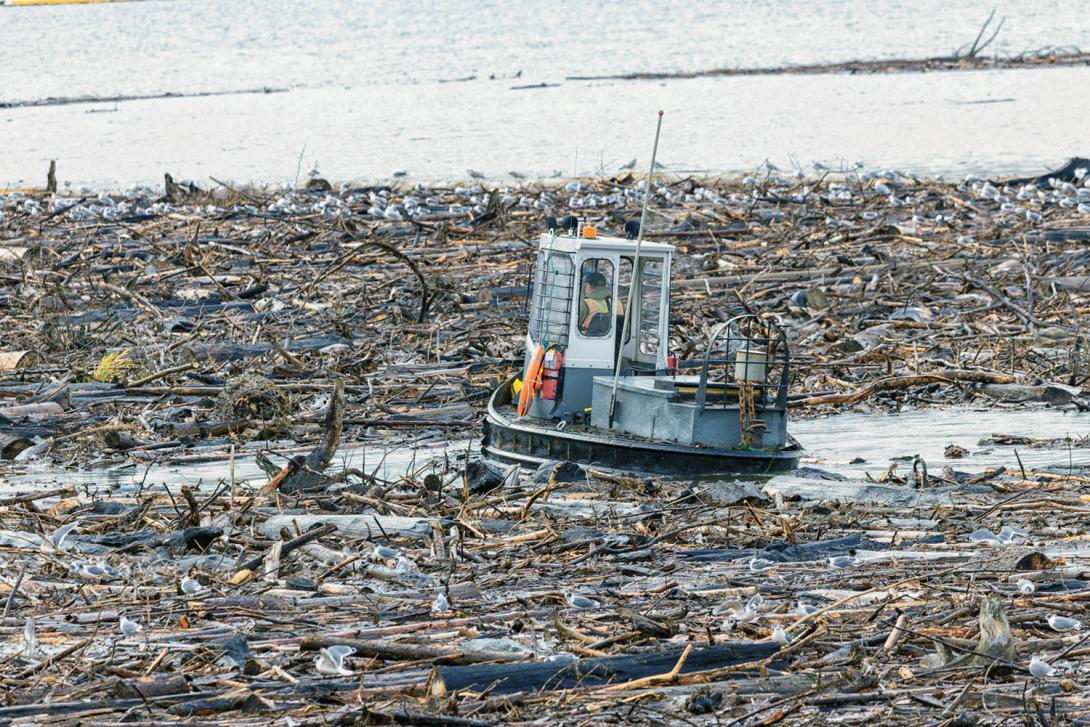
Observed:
{"x":594,"y":307}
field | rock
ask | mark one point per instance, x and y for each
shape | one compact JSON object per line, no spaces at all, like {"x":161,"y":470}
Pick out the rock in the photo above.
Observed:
{"x":704,"y":700}
{"x":813,"y":473}
{"x":733,"y":493}
{"x":865,"y":340}
{"x":481,"y":477}
{"x":811,"y":298}
{"x":568,"y":472}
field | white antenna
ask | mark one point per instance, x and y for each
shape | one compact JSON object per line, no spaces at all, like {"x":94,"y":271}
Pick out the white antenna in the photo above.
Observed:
{"x":635,"y":274}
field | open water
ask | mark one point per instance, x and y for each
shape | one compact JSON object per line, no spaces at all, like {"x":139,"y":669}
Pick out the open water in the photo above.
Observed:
{"x":361,"y":90}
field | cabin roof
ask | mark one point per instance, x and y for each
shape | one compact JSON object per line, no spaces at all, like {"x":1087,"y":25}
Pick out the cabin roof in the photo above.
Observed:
{"x":604,"y":243}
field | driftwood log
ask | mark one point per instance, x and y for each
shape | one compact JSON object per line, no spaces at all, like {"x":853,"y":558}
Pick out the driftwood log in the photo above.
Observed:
{"x":894,"y":383}
{"x":553,"y":675}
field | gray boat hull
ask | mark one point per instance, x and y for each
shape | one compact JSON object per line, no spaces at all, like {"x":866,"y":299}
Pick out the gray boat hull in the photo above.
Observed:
{"x":531,"y":441}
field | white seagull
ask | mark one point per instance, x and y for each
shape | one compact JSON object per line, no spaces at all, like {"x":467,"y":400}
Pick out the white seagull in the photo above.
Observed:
{"x":1040,"y":668}
{"x":841,"y":562}
{"x":330,"y":661}
{"x":190,"y":586}
{"x":129,"y":627}
{"x":1063,"y":623}
{"x":760,"y":564}
{"x":577,"y":601}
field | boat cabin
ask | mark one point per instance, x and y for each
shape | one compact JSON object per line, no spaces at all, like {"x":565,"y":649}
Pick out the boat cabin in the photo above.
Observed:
{"x":578,"y":308}
{"x":575,"y":402}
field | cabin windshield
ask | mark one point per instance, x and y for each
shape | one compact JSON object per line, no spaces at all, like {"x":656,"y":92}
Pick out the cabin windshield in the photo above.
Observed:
{"x":650,"y":305}
{"x":554,"y":283}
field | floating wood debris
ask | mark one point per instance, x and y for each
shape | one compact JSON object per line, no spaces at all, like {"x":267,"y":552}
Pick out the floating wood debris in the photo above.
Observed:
{"x":326,"y":589}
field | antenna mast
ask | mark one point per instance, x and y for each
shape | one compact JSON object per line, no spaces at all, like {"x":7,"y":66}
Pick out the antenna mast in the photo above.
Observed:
{"x":635,"y":274}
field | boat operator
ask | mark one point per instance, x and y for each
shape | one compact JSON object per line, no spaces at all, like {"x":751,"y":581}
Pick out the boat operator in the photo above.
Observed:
{"x":596,"y":306}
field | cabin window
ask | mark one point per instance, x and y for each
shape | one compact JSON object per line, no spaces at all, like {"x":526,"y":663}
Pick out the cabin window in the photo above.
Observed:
{"x":650,"y":305}
{"x":554,"y":283}
{"x":597,"y":304}
{"x":624,"y":283}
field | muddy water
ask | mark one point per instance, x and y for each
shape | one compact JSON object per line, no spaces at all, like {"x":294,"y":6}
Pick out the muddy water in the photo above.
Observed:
{"x":860,"y":447}
{"x":387,"y":463}
{"x":833,"y":444}
{"x":211,"y":45}
{"x":984,"y":122}
{"x":365,"y":89}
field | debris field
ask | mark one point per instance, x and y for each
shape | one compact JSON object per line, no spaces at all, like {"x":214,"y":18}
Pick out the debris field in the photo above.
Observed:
{"x":287,"y":329}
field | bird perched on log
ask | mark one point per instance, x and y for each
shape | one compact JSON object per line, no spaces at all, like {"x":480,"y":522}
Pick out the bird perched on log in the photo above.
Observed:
{"x":189,"y":586}
{"x":1064,"y":623}
{"x":576,"y":600}
{"x":330,"y":661}
{"x":1040,"y":668}
{"x":129,"y":627}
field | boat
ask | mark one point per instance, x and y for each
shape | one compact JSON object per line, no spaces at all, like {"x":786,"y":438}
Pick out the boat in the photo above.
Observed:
{"x":599,"y":387}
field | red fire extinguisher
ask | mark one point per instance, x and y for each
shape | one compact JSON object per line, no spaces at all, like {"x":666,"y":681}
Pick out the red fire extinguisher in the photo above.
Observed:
{"x":671,"y":364}
{"x":552,"y":370}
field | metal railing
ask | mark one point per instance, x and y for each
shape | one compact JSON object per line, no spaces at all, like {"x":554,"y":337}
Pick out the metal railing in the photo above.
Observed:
{"x":755,"y":358}
{"x":554,"y":288}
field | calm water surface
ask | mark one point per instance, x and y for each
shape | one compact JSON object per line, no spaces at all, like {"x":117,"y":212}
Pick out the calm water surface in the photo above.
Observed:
{"x":432,"y":88}
{"x":832,"y":444}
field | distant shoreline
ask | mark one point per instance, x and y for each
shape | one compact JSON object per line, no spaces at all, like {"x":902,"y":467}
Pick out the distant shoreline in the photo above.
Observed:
{"x":1037,"y":59}
{"x":71,"y":100}
{"x":1065,"y":59}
